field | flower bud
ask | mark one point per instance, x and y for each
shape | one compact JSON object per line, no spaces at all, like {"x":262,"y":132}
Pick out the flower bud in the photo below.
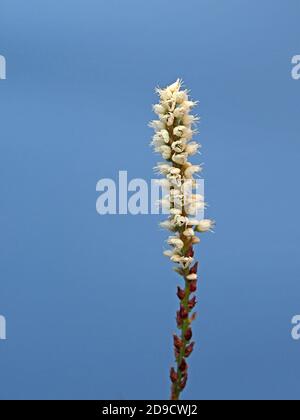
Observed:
{"x":173,"y":375}
{"x":184,"y":382}
{"x":180,"y":293}
{"x":192,"y":303}
{"x":194,"y":269}
{"x":190,"y":252}
{"x":188,"y":335}
{"x":189,"y":349}
{"x":193,"y":317}
{"x":177,"y":342}
{"x":183,"y":366}
{"x":193,"y":286}
{"x":183,"y":312}
{"x":178,"y":320}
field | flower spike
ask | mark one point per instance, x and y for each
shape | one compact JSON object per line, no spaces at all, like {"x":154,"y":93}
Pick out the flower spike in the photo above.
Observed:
{"x":173,"y":140}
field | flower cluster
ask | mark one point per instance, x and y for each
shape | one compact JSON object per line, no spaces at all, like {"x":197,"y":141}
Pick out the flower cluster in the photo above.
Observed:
{"x":173,"y":140}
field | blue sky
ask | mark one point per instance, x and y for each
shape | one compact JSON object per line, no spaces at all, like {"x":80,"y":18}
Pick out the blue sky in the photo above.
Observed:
{"x":90,"y":300}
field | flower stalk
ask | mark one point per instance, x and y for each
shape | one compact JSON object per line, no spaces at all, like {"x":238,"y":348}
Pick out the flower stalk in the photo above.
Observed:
{"x":173,"y":140}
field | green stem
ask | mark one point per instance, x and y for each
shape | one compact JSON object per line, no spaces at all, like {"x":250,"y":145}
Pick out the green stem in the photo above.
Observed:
{"x":184,"y":328}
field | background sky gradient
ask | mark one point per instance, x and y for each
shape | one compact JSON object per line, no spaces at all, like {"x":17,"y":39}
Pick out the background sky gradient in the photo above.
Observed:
{"x":90,"y":300}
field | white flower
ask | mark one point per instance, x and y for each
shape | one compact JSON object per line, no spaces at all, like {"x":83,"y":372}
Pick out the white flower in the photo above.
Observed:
{"x":164,"y":203}
{"x":192,"y":209}
{"x":180,"y":159}
{"x":192,"y":277}
{"x":189,"y":104}
{"x":167,"y":224}
{"x":205,"y":225}
{"x":173,"y":139}
{"x":175,"y":194}
{"x":189,"y":233}
{"x":166,"y":151}
{"x":188,"y":185}
{"x":176,"y":212}
{"x":174,"y":171}
{"x":175,"y":180}
{"x":176,"y":258}
{"x":191,"y":170}
{"x":169,"y":253}
{"x":179,"y":131}
{"x":192,"y":148}
{"x":188,"y":120}
{"x":178,"y":202}
{"x":159,"y":109}
{"x":170,"y":120}
{"x":175,"y":242}
{"x":179,"y":259}
{"x":194,"y":198}
{"x":193,"y":222}
{"x":179,"y":112}
{"x":164,"y":183}
{"x":180,"y":220}
{"x":175,"y":87}
{"x":180,"y":97}
{"x":162,"y":168}
{"x":165,"y":94}
{"x":186,"y":262}
{"x":161,"y":137}
{"x":179,"y":146}
{"x":156,"y":143}
{"x":182,"y":131}
{"x":157,"y":125}
{"x":170,"y":105}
